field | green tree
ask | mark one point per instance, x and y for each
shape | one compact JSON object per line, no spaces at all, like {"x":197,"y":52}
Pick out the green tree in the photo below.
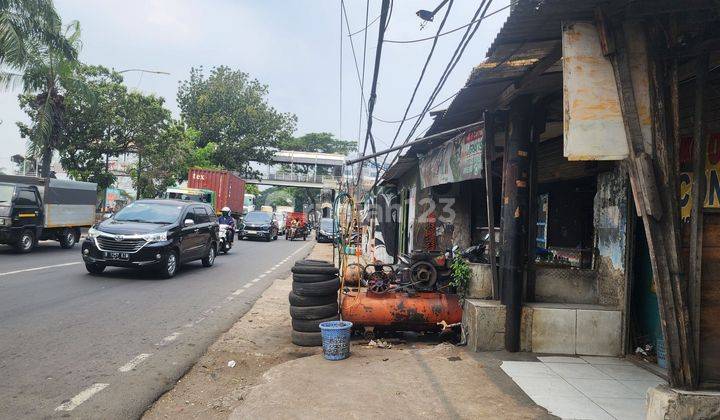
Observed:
{"x":319,"y":142}
{"x":252,"y":189}
{"x":25,"y":27}
{"x":230,"y":108}
{"x":48,"y":76}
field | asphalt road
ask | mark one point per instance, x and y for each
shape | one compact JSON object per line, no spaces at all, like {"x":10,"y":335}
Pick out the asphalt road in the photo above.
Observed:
{"x":82,"y":346}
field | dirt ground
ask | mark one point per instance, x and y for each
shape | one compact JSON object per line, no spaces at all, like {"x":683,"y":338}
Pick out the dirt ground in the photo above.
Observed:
{"x":272,"y":378}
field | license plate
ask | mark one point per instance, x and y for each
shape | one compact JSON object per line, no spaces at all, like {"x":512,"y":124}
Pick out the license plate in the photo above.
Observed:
{"x":117,"y":255}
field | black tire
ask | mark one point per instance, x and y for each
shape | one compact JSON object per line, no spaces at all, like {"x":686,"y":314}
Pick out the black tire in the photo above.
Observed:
{"x":314,"y":269}
{"x":268,"y":238}
{"x":209,"y":259}
{"x":305,"y":301}
{"x":311,"y":325}
{"x":304,"y":238}
{"x":26,"y":242}
{"x":312,"y":278}
{"x":321,"y":288}
{"x":314,"y":312}
{"x":68,"y":238}
{"x":314,"y":262}
{"x":94,"y":268}
{"x":306,"y":339}
{"x":170,"y":265}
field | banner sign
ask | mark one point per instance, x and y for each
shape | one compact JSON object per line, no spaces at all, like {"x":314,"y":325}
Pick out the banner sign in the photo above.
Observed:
{"x":456,"y":160}
{"x":712,"y":175}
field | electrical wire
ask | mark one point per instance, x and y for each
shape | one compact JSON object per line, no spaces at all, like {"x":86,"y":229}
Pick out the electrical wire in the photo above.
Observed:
{"x":410,"y":41}
{"x":417,"y":115}
{"x":362,"y":82}
{"x":420,"y":79}
{"x":367,"y":25}
{"x":341,"y":74}
{"x":352,"y":47}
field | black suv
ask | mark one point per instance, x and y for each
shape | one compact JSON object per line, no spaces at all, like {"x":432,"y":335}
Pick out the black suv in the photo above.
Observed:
{"x":153,"y":233}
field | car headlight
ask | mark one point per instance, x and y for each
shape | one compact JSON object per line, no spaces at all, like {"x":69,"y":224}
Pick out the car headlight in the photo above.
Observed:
{"x":93,"y":233}
{"x":155,"y":237}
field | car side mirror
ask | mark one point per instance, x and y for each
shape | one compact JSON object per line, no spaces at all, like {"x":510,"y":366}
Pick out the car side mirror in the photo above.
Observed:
{"x":189,"y":222}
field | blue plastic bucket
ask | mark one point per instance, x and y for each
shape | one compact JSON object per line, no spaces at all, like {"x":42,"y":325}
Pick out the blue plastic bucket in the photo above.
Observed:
{"x":336,"y":339}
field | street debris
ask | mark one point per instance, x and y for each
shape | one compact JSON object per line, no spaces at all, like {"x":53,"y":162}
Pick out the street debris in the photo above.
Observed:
{"x":232,"y":363}
{"x":379,"y":343}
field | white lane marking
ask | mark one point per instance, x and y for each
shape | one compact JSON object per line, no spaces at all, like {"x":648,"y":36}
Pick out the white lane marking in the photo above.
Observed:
{"x":230,"y":298}
{"x":268,"y":272}
{"x":189,"y":325}
{"x":38,"y":268}
{"x":80,"y":398}
{"x":170,"y":338}
{"x":255,"y":280}
{"x":127,"y":367}
{"x":247,"y":286}
{"x":238,"y":292}
{"x":261,"y":276}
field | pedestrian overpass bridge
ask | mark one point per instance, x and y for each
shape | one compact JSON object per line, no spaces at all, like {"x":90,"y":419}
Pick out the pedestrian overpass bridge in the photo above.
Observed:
{"x":300,"y":169}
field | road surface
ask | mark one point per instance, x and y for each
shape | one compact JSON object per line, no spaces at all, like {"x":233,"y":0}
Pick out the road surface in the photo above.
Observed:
{"x":82,"y":346}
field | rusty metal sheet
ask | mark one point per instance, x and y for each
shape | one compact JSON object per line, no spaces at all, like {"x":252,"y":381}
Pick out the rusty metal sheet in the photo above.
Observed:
{"x":593,"y":122}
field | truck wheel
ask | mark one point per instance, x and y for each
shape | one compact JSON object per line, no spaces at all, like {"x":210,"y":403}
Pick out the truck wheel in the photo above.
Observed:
{"x":94,"y":268}
{"x":26,"y":242}
{"x":68,"y":239}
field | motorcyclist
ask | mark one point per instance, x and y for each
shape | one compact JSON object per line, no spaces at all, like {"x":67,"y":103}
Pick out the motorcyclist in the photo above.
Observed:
{"x":227,"y":219}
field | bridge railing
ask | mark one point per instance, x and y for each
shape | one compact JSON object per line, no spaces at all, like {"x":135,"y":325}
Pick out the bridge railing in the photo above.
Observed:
{"x":295,"y":177}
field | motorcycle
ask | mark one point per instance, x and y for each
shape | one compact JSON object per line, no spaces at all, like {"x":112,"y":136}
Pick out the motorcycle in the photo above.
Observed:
{"x":225,"y":235}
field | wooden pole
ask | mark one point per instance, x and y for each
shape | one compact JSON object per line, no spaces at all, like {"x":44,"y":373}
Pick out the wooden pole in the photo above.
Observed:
{"x":489,"y":137}
{"x":698,"y":195}
{"x":538,"y":127}
{"x":514,"y":214}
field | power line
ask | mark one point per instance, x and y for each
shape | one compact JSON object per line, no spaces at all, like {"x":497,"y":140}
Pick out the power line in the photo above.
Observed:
{"x":416,"y":115}
{"x":362,"y":81}
{"x":341,"y":74}
{"x":422,"y":75}
{"x":464,"y":41}
{"x":367,"y":25}
{"x":352,"y":47}
{"x":410,"y":41}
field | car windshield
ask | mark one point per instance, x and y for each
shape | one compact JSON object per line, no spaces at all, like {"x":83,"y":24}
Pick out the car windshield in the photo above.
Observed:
{"x":6,"y":193}
{"x":326,"y":225}
{"x":149,"y":213}
{"x":258,"y":217}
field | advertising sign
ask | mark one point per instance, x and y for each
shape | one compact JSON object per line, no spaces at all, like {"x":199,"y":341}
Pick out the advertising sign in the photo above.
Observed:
{"x":456,"y":160}
{"x":712,"y":175}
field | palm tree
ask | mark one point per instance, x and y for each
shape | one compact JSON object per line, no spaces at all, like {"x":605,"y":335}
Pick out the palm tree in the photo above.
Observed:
{"x":48,"y":75}
{"x":25,"y":24}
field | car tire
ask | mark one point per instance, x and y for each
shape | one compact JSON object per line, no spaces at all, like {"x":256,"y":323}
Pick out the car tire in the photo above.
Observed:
{"x":68,"y":238}
{"x":311,"y":325}
{"x":314,"y":312}
{"x":95,"y":268}
{"x":312,"y":278}
{"x":170,"y":265}
{"x":209,"y":259}
{"x":305,"y":301}
{"x":306,"y":339}
{"x":308,"y":261}
{"x":320,"y":288}
{"x":268,"y":238}
{"x":26,"y":242}
{"x":314,"y":269}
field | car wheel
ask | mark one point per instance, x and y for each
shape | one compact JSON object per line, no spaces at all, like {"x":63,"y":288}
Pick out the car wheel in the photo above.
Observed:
{"x":311,"y":325}
{"x":304,"y":301}
{"x":209,"y":259}
{"x":26,"y":242}
{"x":68,"y":238}
{"x":170,"y":265}
{"x":314,"y":312}
{"x":94,"y":268}
{"x":268,"y":238}
{"x":306,"y":339}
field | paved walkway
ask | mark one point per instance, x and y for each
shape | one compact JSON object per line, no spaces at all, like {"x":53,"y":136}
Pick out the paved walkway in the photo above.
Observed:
{"x":584,"y":387}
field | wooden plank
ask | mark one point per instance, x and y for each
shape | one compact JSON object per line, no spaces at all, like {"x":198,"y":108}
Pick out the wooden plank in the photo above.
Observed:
{"x":698,"y":199}
{"x":709,"y":304}
{"x":489,"y":126}
{"x":538,"y":127}
{"x":659,"y":230}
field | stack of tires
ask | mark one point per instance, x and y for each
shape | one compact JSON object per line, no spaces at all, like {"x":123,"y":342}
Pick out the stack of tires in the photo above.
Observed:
{"x":314,"y":299}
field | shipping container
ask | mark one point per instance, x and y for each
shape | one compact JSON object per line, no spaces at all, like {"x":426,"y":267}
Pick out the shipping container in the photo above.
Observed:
{"x":229,"y":188}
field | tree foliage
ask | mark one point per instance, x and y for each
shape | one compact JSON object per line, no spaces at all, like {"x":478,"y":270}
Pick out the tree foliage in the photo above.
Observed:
{"x":319,"y":142}
{"x":230,"y":108}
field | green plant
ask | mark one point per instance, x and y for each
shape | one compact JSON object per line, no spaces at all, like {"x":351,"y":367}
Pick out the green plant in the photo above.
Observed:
{"x":461,"y":274}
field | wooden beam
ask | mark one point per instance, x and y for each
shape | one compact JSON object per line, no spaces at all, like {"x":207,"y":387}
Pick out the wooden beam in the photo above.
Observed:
{"x":514,"y":216}
{"x":698,"y":195}
{"x":530,"y":76}
{"x":489,"y":137}
{"x":657,"y":213}
{"x":539,"y":112}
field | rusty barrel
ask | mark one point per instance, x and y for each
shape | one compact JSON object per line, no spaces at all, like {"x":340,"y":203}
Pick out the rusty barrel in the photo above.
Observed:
{"x":421,"y":311}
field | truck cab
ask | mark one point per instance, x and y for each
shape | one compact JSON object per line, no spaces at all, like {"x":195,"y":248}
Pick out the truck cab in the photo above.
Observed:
{"x":21,"y":215}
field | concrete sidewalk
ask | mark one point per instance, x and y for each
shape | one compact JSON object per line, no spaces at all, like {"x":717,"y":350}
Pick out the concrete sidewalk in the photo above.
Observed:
{"x":272,"y":378}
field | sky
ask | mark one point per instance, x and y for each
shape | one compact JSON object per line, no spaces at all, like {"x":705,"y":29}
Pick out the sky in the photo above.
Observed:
{"x":292,"y":46}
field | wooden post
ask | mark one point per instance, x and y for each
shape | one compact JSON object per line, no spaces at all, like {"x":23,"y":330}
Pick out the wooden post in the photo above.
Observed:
{"x":698,"y":196}
{"x":655,"y":194}
{"x":515,"y":214}
{"x":489,"y":136}
{"x":538,"y":127}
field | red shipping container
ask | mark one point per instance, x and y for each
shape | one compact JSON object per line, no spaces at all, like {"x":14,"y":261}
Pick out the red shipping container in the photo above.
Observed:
{"x":229,"y":188}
